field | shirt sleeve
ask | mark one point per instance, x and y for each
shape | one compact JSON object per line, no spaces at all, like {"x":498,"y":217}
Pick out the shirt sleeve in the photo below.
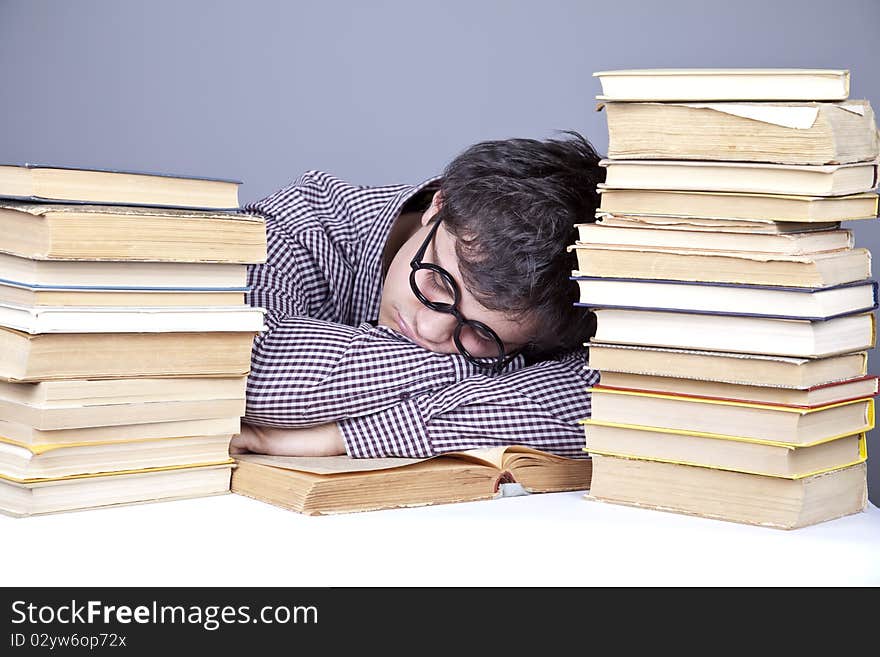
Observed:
{"x":306,"y":371}
{"x":538,"y":406}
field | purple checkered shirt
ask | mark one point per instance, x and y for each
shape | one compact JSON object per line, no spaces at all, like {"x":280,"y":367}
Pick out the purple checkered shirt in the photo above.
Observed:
{"x":322,"y":358}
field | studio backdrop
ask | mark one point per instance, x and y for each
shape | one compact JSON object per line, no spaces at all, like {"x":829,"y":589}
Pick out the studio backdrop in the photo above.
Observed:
{"x":377,"y":92}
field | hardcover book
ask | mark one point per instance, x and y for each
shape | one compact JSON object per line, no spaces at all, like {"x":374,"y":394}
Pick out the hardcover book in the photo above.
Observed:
{"x":753,"y":335}
{"x":728,"y":205}
{"x":144,"y":276}
{"x":734,"y":420}
{"x":772,"y":132}
{"x":801,"y":243}
{"x":812,"y":270}
{"x":709,"y":224}
{"x":724,"y":84}
{"x":742,"y":177}
{"x":726,"y":298}
{"x":104,"y":232}
{"x":72,"y":404}
{"x":29,"y":465}
{"x":55,"y":183}
{"x":726,"y":495}
{"x":13,"y":293}
{"x":815,"y":395}
{"x":58,"y":356}
{"x":124,"y":319}
{"x":81,"y":492}
{"x":28,"y":436}
{"x":766,"y":458}
{"x":727,"y":367}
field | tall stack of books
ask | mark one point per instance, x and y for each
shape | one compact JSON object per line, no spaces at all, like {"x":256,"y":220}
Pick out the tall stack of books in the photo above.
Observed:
{"x":733,"y":313}
{"x":125,"y":339}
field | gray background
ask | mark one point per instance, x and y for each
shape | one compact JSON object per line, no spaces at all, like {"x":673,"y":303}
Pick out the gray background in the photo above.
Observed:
{"x":375,"y":92}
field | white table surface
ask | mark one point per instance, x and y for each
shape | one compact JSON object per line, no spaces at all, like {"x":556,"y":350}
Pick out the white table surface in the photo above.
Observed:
{"x":557,"y":539}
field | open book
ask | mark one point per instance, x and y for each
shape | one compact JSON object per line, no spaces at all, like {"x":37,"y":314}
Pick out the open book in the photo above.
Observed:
{"x":339,"y":484}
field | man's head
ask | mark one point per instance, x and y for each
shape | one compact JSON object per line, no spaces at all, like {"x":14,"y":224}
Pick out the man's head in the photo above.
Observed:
{"x":507,"y":210}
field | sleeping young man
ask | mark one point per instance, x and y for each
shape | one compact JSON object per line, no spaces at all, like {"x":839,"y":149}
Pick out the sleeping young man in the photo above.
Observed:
{"x":416,"y":320}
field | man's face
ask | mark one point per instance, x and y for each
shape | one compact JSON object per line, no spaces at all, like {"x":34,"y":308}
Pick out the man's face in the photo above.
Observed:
{"x":402,"y":311}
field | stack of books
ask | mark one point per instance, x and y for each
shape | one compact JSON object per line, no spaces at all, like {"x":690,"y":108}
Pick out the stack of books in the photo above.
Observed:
{"x":733,"y":311}
{"x":125,"y":339}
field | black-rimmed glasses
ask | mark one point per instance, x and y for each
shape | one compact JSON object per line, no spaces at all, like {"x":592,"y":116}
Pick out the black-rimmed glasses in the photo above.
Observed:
{"x":436,"y":289}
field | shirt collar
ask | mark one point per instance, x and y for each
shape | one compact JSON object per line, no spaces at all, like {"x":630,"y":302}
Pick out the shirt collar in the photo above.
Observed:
{"x":369,"y":273}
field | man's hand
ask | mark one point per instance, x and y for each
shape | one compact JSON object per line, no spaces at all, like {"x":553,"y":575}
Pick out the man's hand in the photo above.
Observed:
{"x":320,"y":440}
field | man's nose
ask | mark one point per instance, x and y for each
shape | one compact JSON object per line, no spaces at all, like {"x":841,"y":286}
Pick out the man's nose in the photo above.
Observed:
{"x":437,"y":328}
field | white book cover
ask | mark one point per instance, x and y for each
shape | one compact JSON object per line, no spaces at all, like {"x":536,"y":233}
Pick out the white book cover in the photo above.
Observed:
{"x":724,"y":84}
{"x":122,"y":319}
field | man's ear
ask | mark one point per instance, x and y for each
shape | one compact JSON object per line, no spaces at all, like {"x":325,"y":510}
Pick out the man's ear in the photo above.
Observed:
{"x":433,"y":209}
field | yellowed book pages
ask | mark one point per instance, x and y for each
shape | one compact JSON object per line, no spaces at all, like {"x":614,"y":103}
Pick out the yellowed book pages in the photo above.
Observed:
{"x":106,"y":392}
{"x":751,"y":226}
{"x":28,"y":436}
{"x":340,"y":484}
{"x":99,"y":491}
{"x":862,"y":386}
{"x":129,"y":275}
{"x":727,"y":205}
{"x":786,"y":425}
{"x":82,"y":416}
{"x":19,"y":295}
{"x":95,"y":232}
{"x":116,"y":187}
{"x":725,"y":453}
{"x":748,"y":268}
{"x":728,"y":367}
{"x":776,"y":133}
{"x":594,"y":234}
{"x":740,"y":177}
{"x":44,"y":406}
{"x":62,"y":356}
{"x":732,"y":496}
{"x":26,"y":464}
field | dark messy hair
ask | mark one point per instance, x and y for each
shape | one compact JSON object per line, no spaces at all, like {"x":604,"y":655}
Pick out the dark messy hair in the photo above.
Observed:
{"x":512,"y":206}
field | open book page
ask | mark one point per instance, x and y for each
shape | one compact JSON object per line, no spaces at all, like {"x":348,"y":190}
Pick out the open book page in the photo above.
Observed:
{"x":495,"y":457}
{"x":326,"y":465}
{"x":42,"y":209}
{"x":541,"y":472}
{"x":339,"y":484}
{"x":533,"y":470}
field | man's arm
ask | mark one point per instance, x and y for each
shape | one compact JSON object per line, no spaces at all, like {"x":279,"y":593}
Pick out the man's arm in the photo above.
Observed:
{"x":391,"y":397}
{"x":321,"y":440}
{"x":306,"y":372}
{"x":538,"y":406}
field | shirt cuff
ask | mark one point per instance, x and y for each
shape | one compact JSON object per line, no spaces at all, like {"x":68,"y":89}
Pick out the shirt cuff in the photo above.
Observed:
{"x":396,"y":431}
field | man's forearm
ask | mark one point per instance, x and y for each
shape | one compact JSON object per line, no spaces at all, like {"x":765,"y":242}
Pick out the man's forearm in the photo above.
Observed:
{"x":538,"y":406}
{"x":306,"y":372}
{"x":320,"y":440}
